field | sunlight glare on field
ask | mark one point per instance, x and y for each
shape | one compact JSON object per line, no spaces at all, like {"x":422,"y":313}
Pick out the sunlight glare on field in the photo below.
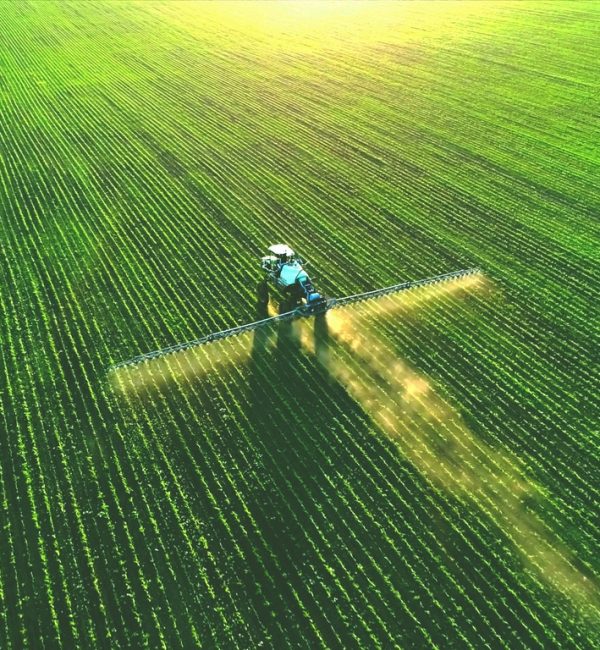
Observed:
{"x":314,"y":25}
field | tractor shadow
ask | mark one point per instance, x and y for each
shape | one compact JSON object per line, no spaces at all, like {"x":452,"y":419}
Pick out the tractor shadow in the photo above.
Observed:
{"x":287,"y":344}
{"x":262,"y":336}
{"x":322,"y":338}
{"x":274,"y":343}
{"x":300,"y":448}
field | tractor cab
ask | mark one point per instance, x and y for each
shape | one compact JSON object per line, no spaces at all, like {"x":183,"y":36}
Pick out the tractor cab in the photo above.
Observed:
{"x":280,"y":255}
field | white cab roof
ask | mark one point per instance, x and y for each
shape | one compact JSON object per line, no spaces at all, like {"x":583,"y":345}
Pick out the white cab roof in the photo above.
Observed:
{"x":281,"y":249}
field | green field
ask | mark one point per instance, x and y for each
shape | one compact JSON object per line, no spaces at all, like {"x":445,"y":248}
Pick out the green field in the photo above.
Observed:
{"x":417,"y":471}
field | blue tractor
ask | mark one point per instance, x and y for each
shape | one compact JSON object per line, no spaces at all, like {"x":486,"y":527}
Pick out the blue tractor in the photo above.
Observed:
{"x":286,"y":270}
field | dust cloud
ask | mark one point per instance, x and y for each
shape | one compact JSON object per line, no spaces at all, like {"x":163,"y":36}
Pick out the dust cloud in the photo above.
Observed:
{"x":186,"y":365}
{"x":404,"y":405}
{"x":430,"y":433}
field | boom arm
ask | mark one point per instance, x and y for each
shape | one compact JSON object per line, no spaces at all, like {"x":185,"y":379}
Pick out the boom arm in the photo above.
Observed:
{"x":332,"y":303}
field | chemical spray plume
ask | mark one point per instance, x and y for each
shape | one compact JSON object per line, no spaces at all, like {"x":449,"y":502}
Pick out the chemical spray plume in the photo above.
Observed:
{"x":432,"y":435}
{"x":187,"y":365}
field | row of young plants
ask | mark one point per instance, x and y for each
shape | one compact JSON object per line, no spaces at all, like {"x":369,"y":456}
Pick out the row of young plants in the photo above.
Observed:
{"x":98,"y":369}
{"x":167,"y":515}
{"x":445,"y":361}
{"x":420,"y":434}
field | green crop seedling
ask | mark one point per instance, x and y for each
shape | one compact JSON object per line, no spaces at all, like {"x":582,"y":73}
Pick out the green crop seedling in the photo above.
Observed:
{"x":417,"y":470}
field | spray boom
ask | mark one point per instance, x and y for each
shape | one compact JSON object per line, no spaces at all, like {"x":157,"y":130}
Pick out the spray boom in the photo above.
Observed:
{"x":302,"y":310}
